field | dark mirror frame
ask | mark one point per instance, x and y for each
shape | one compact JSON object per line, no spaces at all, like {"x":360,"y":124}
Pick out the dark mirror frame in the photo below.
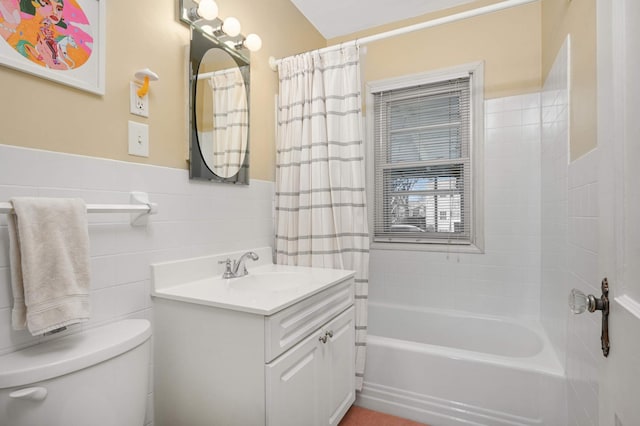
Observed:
{"x":198,"y":169}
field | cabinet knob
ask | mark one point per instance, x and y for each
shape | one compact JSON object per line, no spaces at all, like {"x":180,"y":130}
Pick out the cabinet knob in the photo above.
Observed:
{"x":327,"y":335}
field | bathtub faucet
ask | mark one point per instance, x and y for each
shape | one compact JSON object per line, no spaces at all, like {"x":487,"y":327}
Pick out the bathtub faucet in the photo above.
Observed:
{"x":239,"y":268}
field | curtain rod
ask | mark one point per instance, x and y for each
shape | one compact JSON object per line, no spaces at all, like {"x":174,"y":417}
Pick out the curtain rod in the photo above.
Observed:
{"x":273,"y":62}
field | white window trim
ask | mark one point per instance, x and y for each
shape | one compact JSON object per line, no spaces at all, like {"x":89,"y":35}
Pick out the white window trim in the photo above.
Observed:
{"x":476,"y":70}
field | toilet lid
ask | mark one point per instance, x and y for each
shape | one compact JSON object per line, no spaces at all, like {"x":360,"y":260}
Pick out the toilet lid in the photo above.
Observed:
{"x":59,"y":356}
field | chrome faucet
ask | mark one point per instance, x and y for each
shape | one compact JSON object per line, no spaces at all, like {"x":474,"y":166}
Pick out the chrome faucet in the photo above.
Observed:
{"x":239,"y":268}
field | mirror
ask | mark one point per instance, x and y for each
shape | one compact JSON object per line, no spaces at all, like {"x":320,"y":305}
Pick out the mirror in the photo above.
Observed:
{"x":219,"y":116}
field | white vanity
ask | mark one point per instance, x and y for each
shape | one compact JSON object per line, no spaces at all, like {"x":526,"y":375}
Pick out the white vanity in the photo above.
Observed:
{"x":275,"y":347}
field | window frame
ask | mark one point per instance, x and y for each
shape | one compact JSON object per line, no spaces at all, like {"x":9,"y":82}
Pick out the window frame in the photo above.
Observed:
{"x":475,"y":243}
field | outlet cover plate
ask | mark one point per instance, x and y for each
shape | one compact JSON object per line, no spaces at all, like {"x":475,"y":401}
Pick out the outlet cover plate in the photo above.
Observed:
{"x":138,"y":105}
{"x":138,"y":139}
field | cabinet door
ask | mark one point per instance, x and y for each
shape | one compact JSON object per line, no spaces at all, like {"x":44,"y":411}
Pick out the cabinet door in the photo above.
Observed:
{"x":341,"y":366}
{"x":294,"y":385}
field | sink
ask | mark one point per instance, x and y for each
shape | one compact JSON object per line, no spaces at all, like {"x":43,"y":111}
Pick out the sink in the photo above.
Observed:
{"x":267,"y":288}
{"x":268,"y":282}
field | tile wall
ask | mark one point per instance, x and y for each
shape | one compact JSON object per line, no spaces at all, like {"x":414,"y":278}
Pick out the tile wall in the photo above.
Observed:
{"x":555,"y":201}
{"x":569,"y":247}
{"x":194,"y":219}
{"x":505,"y":279}
{"x":583,"y":354}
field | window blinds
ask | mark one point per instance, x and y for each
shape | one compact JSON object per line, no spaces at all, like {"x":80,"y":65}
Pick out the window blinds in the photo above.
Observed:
{"x":422,"y":160}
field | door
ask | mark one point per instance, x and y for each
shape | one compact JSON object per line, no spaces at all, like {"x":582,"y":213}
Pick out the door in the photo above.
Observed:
{"x":340,"y":364}
{"x":619,"y":180}
{"x":294,"y":386}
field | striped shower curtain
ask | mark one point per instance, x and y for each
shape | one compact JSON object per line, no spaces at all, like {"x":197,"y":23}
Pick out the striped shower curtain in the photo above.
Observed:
{"x":321,"y":217}
{"x":230,"y":122}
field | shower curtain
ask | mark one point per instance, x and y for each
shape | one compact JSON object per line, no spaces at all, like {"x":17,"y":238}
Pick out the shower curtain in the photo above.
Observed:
{"x":321,"y":217}
{"x":230,"y":121}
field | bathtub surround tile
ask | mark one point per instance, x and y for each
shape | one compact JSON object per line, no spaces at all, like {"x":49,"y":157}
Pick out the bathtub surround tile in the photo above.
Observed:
{"x":569,"y":247}
{"x":531,"y":116}
{"x":583,"y":353}
{"x":507,"y":118}
{"x":492,"y":106}
{"x":555,"y":202}
{"x":533,"y":201}
{"x":477,"y":282}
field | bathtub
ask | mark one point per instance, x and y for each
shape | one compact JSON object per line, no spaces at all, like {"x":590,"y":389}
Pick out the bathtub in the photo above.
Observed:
{"x":449,"y":368}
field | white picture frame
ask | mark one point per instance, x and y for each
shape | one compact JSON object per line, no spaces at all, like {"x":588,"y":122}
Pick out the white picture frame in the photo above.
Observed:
{"x":39,"y":40}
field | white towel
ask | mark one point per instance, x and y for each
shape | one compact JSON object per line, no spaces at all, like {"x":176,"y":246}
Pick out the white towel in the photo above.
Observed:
{"x":49,"y":254}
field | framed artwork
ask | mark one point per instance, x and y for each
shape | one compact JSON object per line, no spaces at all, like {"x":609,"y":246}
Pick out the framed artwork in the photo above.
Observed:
{"x":60,"y":40}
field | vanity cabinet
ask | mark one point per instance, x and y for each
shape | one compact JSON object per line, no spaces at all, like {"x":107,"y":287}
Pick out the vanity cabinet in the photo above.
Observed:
{"x":313,"y":383}
{"x":220,"y":366}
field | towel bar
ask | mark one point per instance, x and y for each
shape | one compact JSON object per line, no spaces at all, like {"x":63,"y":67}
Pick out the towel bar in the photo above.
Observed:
{"x":140,"y":208}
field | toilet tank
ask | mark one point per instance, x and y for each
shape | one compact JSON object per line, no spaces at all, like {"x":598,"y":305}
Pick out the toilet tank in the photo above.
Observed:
{"x":97,"y":377}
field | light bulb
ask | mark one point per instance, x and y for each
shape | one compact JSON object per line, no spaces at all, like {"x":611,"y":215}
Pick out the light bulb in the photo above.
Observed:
{"x":231,"y":26}
{"x":253,"y":42}
{"x":207,"y":29}
{"x":208,"y":9}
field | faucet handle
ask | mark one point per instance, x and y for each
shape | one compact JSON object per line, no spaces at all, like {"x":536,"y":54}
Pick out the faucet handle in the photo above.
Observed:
{"x":228,"y":273}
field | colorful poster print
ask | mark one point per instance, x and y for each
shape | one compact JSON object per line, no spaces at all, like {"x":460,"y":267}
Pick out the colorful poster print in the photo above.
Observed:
{"x":55,"y":34}
{"x":60,"y":40}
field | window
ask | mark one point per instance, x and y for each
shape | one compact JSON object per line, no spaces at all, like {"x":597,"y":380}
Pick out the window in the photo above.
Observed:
{"x":424,"y":135}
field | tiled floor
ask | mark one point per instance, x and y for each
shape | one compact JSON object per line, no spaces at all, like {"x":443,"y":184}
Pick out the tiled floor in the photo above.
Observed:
{"x":358,"y":416}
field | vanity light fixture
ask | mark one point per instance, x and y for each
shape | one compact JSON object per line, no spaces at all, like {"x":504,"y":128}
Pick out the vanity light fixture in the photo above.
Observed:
{"x":204,"y":15}
{"x":206,"y":9}
{"x":208,"y":29}
{"x":253,"y":42}
{"x":231,"y":26}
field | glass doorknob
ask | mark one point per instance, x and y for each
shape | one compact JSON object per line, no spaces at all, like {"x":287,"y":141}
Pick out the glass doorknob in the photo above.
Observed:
{"x":578,"y":301}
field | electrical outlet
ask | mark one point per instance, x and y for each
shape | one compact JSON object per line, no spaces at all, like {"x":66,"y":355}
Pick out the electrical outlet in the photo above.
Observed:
{"x":138,"y":105}
{"x":138,"y":139}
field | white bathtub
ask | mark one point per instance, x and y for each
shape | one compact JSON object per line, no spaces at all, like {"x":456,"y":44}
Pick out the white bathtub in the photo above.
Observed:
{"x":449,"y":368}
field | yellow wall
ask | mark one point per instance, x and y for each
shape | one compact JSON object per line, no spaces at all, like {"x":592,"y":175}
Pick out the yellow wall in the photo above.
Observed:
{"x":578,"y":18}
{"x":41,"y":114}
{"x":508,"y":41}
{"x":518,"y":46}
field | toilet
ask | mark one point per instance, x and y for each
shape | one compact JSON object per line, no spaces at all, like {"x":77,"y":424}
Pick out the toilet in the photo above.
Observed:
{"x":97,"y":377}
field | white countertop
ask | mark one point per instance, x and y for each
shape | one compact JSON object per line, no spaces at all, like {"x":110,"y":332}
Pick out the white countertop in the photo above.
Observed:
{"x":267,"y":289}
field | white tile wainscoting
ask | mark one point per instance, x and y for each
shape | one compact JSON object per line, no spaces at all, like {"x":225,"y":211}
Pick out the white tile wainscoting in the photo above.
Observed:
{"x":195,"y":218}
